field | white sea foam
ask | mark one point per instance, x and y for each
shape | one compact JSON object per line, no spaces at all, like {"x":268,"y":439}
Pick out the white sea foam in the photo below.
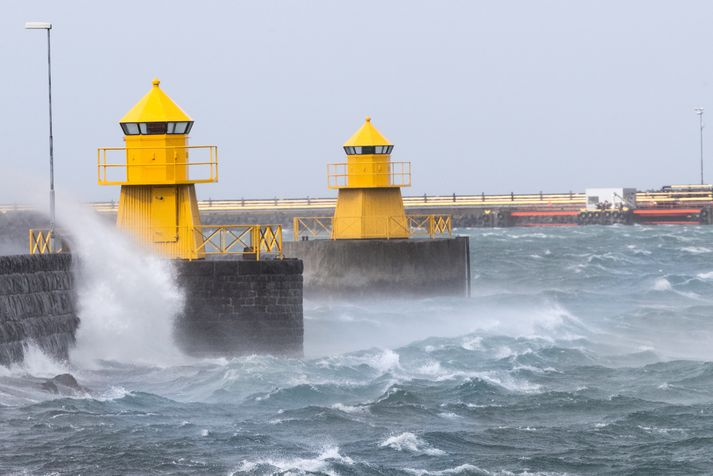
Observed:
{"x":411,"y":443}
{"x":37,"y":364}
{"x":462,"y":469}
{"x":321,"y":464}
{"x":696,"y":250}
{"x":472,"y":343}
{"x":662,"y":284}
{"x":350,"y":408}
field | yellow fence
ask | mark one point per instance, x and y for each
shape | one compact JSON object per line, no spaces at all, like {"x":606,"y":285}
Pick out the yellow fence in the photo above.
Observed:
{"x":255,"y":240}
{"x":114,"y":169}
{"x":398,"y":174}
{"x":248,"y":240}
{"x":46,"y":242}
{"x":430,"y":226}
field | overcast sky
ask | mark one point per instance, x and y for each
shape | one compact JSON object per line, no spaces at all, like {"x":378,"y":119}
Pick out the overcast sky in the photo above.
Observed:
{"x":492,"y":96}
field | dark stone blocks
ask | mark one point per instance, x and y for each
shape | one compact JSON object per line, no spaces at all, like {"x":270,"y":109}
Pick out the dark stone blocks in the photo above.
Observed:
{"x":236,"y":307}
{"x":37,"y":304}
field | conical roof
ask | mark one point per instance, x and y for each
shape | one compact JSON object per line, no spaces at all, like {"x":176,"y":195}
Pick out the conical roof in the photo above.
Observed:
{"x":156,"y":106}
{"x":367,"y":135}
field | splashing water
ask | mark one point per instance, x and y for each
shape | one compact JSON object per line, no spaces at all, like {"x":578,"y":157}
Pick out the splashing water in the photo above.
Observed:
{"x":127,"y":298}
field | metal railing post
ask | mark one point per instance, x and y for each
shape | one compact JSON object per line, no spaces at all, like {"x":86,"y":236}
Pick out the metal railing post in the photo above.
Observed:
{"x":257,"y":241}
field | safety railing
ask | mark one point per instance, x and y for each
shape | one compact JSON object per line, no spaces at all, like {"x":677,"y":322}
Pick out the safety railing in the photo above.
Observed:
{"x":305,"y":228}
{"x":431,"y":226}
{"x":44,"y":241}
{"x":257,"y":240}
{"x":562,"y":200}
{"x":115,"y":166}
{"x":369,"y":174}
{"x":249,"y":240}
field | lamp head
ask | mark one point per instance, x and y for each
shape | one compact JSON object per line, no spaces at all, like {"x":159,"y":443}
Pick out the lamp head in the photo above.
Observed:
{"x":38,"y":25}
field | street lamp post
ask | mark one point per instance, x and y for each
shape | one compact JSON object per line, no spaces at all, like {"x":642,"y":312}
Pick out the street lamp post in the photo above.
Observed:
{"x":699,"y":111}
{"x":35,"y":25}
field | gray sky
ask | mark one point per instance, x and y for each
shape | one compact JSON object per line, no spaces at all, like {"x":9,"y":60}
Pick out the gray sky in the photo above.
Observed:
{"x":492,"y":96}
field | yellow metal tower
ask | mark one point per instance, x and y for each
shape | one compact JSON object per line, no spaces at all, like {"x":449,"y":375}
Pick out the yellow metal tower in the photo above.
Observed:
{"x":158,"y":197}
{"x":369,"y":203}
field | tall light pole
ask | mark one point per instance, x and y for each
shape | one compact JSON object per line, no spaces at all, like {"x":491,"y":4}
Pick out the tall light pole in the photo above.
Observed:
{"x":699,"y":111}
{"x":37,"y":25}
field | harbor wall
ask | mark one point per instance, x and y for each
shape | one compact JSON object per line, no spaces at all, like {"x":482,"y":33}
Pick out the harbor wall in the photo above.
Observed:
{"x":385,"y":268}
{"x":37,"y":305}
{"x":239,"y":307}
{"x":232,"y":307}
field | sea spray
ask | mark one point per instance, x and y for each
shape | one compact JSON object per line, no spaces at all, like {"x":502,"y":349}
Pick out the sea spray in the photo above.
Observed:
{"x":127,"y":298}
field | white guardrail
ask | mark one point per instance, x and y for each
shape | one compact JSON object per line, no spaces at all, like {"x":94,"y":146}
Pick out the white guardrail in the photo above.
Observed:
{"x":569,"y":200}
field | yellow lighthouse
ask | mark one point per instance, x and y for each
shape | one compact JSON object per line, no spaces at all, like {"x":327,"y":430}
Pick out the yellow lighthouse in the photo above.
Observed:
{"x":369,"y":203}
{"x":158,"y":201}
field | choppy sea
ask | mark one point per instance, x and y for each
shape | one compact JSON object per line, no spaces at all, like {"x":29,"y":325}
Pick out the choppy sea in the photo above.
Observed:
{"x":582,"y":351}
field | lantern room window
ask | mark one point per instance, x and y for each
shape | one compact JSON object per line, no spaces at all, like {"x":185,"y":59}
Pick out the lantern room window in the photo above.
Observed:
{"x":130,"y":128}
{"x":156,"y":128}
{"x":369,"y":149}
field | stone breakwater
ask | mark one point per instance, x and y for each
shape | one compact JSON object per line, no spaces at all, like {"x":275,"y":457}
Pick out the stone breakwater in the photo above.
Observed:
{"x":383,"y":268}
{"x":236,"y":307}
{"x":37,"y":306}
{"x":232,"y":307}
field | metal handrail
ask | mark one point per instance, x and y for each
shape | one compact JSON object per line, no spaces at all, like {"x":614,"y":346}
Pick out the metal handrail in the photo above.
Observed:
{"x":240,"y":240}
{"x":430,"y":226}
{"x":45,"y":241}
{"x":398,"y":174}
{"x":103,"y":166}
{"x":257,"y":240}
{"x":435,"y":201}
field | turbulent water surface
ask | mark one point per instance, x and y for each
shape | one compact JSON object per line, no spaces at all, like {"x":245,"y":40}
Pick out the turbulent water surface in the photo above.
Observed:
{"x":581,"y":351}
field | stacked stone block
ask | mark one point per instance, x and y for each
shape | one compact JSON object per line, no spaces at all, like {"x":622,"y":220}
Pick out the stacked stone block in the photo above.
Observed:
{"x":36,"y":305}
{"x":236,"y":307}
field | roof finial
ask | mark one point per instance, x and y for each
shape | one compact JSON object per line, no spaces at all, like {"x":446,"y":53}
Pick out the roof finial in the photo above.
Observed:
{"x":156,"y":82}
{"x":368,"y":118}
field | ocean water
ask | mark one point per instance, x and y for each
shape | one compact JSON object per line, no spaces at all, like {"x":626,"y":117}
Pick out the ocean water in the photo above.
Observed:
{"x":581,"y":351}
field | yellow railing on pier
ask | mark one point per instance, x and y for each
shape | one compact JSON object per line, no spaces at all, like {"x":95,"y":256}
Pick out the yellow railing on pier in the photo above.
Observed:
{"x":45,"y":241}
{"x":116,"y":166}
{"x":257,"y":240}
{"x":431,"y":226}
{"x":248,"y":240}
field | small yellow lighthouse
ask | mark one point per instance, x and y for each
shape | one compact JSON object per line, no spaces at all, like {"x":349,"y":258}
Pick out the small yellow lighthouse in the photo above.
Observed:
{"x":158,"y":197}
{"x":369,"y":203}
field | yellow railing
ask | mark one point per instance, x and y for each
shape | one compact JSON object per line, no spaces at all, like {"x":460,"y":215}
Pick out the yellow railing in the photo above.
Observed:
{"x":430,"y":226}
{"x":46,"y":242}
{"x":176,"y":166}
{"x":248,"y":240}
{"x":240,"y":240}
{"x":396,"y":174}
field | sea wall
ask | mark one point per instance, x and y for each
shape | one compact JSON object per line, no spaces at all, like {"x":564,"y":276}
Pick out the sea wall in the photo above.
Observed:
{"x":384,"y":268}
{"x":237,"y":307}
{"x":36,"y":305}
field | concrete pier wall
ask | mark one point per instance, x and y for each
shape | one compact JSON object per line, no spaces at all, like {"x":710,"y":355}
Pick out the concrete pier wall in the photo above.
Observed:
{"x":37,"y":305}
{"x":236,"y":307}
{"x":383,"y":267}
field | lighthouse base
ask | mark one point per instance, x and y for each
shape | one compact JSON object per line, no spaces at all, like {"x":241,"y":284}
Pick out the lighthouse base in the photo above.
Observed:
{"x":383,"y":268}
{"x":236,"y":307}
